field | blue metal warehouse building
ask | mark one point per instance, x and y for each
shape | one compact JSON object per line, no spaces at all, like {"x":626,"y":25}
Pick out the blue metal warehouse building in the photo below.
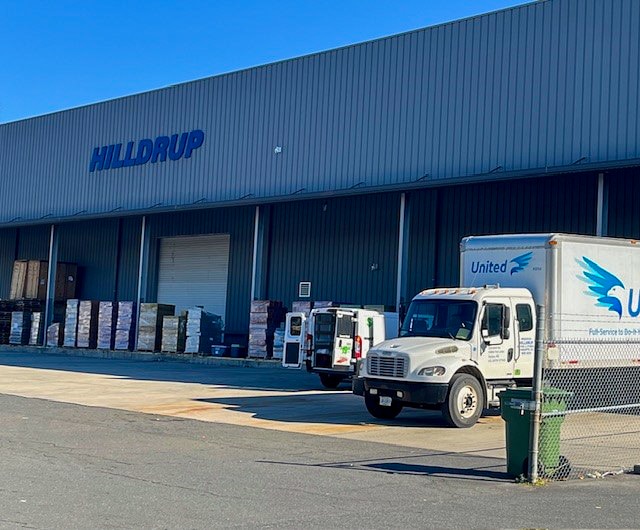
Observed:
{"x":357,"y":169}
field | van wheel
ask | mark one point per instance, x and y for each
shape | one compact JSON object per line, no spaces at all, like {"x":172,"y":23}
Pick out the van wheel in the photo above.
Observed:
{"x":330,"y":381}
{"x":465,"y":401}
{"x":379,"y":411}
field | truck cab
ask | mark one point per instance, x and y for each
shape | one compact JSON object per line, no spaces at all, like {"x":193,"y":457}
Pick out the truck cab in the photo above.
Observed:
{"x":456,"y":350}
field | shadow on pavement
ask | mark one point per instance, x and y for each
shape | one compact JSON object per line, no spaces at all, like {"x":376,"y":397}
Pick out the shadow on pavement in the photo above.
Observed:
{"x":458,"y":466}
{"x":325,"y":407}
{"x":262,"y":378}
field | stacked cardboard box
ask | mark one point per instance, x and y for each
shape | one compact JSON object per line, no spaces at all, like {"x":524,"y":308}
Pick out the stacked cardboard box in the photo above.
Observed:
{"x":174,"y":334}
{"x":107,"y":314}
{"x":54,"y":335}
{"x":301,"y":306}
{"x":125,"y":326}
{"x":266,"y":316}
{"x":37,"y":324}
{"x":18,"y":280}
{"x":29,"y":280}
{"x":71,"y":323}
{"x":36,"y":284}
{"x":87,"y":324}
{"x":20,"y":327}
{"x":204,"y":330}
{"x":150,"y":328}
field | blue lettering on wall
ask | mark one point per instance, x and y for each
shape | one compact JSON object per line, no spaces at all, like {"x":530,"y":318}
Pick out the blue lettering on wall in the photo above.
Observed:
{"x":146,"y":150}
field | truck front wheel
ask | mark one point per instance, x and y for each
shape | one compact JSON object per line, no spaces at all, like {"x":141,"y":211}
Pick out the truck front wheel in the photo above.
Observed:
{"x":380,"y":411}
{"x":465,"y":401}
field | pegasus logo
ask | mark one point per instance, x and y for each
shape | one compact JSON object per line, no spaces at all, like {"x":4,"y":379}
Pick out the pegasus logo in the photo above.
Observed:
{"x":606,"y":287}
{"x":521,"y":262}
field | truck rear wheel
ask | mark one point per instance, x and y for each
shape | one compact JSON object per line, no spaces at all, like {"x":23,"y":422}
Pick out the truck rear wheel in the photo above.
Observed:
{"x":465,"y":401}
{"x":379,"y":411}
{"x":330,"y":381}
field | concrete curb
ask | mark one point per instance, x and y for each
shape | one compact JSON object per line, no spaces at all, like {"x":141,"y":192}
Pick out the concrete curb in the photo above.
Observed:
{"x":146,"y":356}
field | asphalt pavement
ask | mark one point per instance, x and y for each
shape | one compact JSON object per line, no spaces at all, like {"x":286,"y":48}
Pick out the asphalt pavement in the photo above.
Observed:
{"x":66,"y":465}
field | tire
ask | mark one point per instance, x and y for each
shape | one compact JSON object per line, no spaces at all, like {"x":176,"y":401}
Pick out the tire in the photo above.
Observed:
{"x":465,"y":401}
{"x":379,"y":411}
{"x":330,"y":381}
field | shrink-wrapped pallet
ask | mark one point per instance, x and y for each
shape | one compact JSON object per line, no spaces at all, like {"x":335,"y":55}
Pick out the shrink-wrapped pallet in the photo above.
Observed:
{"x":71,"y":323}
{"x":20,"y":327}
{"x":107,"y":315}
{"x":54,"y":335}
{"x":125,"y":326}
{"x":37,"y":325}
{"x":87,"y":336}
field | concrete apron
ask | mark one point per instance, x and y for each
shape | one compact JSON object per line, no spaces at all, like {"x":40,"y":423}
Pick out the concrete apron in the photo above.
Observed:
{"x":318,"y":412}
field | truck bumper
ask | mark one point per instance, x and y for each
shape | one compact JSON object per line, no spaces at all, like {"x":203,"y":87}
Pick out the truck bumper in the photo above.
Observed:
{"x":415,"y":394}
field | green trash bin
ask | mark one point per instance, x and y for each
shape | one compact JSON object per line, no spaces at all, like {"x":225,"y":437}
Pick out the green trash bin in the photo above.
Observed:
{"x":515,"y":405}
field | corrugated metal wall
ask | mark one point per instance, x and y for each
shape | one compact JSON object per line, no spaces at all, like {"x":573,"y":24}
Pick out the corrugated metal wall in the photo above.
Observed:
{"x":535,"y":86}
{"x":624,"y":203}
{"x":7,"y":256}
{"x":93,"y":246}
{"x":129,"y":262}
{"x":239,"y":223}
{"x":33,"y":242}
{"x":441,"y":218}
{"x":347,"y":248}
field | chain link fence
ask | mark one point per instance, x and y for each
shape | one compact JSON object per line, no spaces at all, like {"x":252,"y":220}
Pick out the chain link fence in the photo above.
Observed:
{"x":590,"y":411}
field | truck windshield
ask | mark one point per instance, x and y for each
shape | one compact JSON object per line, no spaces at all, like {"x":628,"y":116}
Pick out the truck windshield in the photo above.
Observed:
{"x":440,"y":318}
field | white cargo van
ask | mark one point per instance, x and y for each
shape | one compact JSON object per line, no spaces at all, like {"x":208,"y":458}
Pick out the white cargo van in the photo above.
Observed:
{"x":336,"y":338}
{"x":459,"y":347}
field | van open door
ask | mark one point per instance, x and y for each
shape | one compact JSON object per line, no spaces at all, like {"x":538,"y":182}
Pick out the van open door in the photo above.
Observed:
{"x":294,"y":333}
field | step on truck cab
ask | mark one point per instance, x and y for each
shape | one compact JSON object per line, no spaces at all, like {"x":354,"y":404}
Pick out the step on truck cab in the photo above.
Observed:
{"x":459,"y":347}
{"x":337,"y":337}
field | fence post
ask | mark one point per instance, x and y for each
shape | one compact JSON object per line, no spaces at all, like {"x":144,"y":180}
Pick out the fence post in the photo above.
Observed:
{"x":536,"y":418}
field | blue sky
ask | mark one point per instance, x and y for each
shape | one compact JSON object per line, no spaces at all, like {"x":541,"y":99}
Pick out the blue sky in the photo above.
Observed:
{"x":59,"y":54}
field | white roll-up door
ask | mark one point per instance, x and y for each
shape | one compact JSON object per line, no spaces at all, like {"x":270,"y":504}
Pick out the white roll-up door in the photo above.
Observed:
{"x":193,"y":271}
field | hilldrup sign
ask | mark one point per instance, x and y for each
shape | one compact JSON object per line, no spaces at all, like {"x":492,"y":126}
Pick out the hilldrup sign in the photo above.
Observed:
{"x":173,"y":147}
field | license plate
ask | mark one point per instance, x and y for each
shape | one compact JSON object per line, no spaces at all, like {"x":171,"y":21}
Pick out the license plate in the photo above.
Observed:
{"x":385,"y":401}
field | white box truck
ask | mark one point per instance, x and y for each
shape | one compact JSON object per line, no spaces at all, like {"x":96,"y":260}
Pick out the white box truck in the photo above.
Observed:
{"x":459,"y":347}
{"x":337,"y":337}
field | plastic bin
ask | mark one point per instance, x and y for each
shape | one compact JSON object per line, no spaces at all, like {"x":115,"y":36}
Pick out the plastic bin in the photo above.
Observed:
{"x":238,"y":351}
{"x":514,"y":409}
{"x":219,"y":350}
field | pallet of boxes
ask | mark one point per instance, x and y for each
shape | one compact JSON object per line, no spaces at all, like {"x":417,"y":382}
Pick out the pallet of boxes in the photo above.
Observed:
{"x":203,"y":330}
{"x":265,"y":317}
{"x":150,"y":327}
{"x":174,"y":334}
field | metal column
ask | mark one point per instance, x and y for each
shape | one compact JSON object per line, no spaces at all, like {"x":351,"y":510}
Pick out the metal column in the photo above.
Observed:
{"x":51,"y":283}
{"x":403,"y":251}
{"x":142,"y":272}
{"x":602,"y":212}
{"x":260,"y":265}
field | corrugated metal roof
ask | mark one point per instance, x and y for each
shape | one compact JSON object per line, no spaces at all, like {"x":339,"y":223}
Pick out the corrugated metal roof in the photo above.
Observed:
{"x":546,"y":84}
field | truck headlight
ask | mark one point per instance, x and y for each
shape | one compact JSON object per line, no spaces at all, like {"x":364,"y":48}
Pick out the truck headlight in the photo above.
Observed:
{"x":431,"y":371}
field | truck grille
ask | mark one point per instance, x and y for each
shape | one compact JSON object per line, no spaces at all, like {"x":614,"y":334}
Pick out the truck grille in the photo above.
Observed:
{"x":386,"y":366}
